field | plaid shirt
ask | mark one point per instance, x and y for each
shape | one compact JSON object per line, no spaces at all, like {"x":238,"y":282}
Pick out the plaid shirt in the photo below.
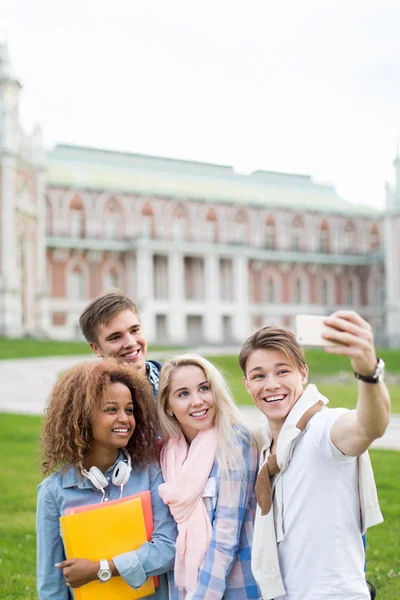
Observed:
{"x":226,"y":570}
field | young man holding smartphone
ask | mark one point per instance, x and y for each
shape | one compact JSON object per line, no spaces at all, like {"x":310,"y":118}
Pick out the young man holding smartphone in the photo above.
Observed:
{"x":315,"y":490}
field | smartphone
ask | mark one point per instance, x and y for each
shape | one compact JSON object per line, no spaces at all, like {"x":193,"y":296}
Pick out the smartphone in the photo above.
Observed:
{"x":309,"y":330}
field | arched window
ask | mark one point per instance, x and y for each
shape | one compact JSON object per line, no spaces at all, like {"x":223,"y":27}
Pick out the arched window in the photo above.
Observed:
{"x":111,"y":279}
{"x":76,"y":218}
{"x":297,"y":235}
{"x":324,"y":292}
{"x":179,"y":219}
{"x":349,"y":293}
{"x":49,"y":218}
{"x":324,"y":237}
{"x":270,"y":234}
{"x":76,"y":284}
{"x":271,"y":296}
{"x":298,"y":291}
{"x":349,"y":238}
{"x":240,"y":226}
{"x":112,"y":220}
{"x":147,"y":222}
{"x":211,"y":226}
{"x":373,"y":241}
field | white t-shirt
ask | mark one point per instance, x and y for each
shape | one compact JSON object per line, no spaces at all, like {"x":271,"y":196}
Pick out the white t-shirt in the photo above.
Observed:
{"x":322,"y":555}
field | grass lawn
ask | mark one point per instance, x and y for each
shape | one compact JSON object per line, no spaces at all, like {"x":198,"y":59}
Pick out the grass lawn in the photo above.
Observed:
{"x":342,"y":394}
{"x":20,"y":474}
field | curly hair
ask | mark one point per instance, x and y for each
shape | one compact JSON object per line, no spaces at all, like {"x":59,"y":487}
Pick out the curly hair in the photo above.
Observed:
{"x":66,"y":433}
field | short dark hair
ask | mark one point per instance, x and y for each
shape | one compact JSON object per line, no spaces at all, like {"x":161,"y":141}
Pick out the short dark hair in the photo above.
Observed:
{"x":101,"y":310}
{"x":273,"y":338}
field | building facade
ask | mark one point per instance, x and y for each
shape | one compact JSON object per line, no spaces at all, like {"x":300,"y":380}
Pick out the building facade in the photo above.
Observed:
{"x":208,"y":254}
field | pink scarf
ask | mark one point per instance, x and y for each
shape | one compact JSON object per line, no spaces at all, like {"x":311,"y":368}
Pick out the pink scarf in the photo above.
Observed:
{"x":185,"y":470}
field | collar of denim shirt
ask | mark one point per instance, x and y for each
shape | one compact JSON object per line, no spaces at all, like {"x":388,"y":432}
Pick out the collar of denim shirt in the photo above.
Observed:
{"x":71,"y":477}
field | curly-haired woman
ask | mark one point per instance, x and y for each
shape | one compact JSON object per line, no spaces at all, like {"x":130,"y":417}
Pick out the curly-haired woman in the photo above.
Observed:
{"x":100,"y":439}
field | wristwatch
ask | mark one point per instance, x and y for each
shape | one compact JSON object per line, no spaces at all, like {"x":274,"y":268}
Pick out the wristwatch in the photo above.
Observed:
{"x":104,"y":573}
{"x":377,"y":375}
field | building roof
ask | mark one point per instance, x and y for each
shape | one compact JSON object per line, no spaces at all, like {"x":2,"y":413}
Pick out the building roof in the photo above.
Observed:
{"x":97,"y":169}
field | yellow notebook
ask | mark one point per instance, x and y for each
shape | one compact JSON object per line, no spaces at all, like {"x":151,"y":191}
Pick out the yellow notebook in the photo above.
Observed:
{"x":105,"y":533}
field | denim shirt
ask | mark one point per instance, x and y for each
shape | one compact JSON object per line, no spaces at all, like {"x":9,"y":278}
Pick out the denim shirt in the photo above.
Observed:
{"x":65,"y":489}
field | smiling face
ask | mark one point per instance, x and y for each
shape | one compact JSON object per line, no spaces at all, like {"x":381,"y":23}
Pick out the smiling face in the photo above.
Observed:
{"x":113,"y":422}
{"x":122,"y":338}
{"x":274,"y":383}
{"x":191,"y":401}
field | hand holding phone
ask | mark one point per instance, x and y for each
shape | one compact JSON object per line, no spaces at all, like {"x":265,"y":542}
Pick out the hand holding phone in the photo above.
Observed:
{"x":309,"y":331}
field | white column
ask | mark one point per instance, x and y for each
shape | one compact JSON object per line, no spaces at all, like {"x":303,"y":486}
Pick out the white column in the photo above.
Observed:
{"x":42,"y":317}
{"x":145,"y":294}
{"x":241,"y":318}
{"x":213,"y":319}
{"x":8,"y":222}
{"x":10,"y":309}
{"x":392,"y":250}
{"x":130,"y":275}
{"x":177,"y":318}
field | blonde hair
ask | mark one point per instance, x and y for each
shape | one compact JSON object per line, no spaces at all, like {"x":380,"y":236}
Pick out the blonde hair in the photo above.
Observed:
{"x":228,"y":420}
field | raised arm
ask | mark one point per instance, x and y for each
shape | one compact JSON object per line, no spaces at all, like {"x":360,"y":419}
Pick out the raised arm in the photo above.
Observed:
{"x":354,"y":431}
{"x":232,"y":502}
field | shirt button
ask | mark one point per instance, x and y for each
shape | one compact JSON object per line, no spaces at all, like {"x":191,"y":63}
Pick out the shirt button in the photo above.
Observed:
{"x":108,"y":479}
{"x":105,"y":499}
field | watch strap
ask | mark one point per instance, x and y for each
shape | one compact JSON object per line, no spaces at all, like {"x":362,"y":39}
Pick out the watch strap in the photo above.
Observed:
{"x":376,"y":377}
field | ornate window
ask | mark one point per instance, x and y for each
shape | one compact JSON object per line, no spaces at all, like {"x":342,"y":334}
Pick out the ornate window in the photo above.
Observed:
{"x":211,"y":226}
{"x":179,"y":220}
{"x":298,"y":291}
{"x":76,"y":284}
{"x":374,"y":241}
{"x":323,"y":242}
{"x":147,"y":222}
{"x":324,"y":292}
{"x":297,"y":235}
{"x":349,"y":293}
{"x":112,"y":220}
{"x":76,"y":218}
{"x":240,"y":228}
{"x":111,"y":279}
{"x":349,"y":238}
{"x":271,"y":299}
{"x":270,"y":233}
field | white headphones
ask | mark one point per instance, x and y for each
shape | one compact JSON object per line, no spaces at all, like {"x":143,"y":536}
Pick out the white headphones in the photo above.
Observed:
{"x":120,"y":475}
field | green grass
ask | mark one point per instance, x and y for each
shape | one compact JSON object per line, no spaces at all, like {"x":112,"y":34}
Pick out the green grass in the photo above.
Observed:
{"x":31,"y":348}
{"x":20,"y":474}
{"x":342,"y":394}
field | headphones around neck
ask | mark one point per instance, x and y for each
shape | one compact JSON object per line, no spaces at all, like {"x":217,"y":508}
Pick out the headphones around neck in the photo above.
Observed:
{"x":120,"y":475}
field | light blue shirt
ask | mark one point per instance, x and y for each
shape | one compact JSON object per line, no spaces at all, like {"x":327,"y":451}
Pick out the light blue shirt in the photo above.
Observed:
{"x":65,"y":489}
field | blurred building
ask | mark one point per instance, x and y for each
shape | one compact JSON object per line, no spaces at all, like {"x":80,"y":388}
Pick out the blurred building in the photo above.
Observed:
{"x":209,"y":254}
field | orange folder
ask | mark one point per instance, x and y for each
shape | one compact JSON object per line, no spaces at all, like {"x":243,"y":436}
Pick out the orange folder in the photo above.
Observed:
{"x":147,"y":513}
{"x":103,"y":531}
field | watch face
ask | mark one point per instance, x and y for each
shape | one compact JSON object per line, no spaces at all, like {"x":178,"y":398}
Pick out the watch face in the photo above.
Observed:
{"x":104,"y":575}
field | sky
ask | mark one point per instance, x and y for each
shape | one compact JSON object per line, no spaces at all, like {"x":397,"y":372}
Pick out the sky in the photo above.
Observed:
{"x":298,"y":86}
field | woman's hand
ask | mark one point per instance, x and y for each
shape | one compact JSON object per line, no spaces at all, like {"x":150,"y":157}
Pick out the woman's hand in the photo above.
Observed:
{"x":78,"y":571}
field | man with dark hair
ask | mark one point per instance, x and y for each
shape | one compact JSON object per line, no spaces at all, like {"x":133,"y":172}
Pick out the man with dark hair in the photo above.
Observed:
{"x":315,"y":489}
{"x":112,"y":327}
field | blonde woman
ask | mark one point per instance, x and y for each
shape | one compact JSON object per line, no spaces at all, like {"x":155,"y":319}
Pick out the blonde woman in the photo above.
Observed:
{"x":209,"y":463}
